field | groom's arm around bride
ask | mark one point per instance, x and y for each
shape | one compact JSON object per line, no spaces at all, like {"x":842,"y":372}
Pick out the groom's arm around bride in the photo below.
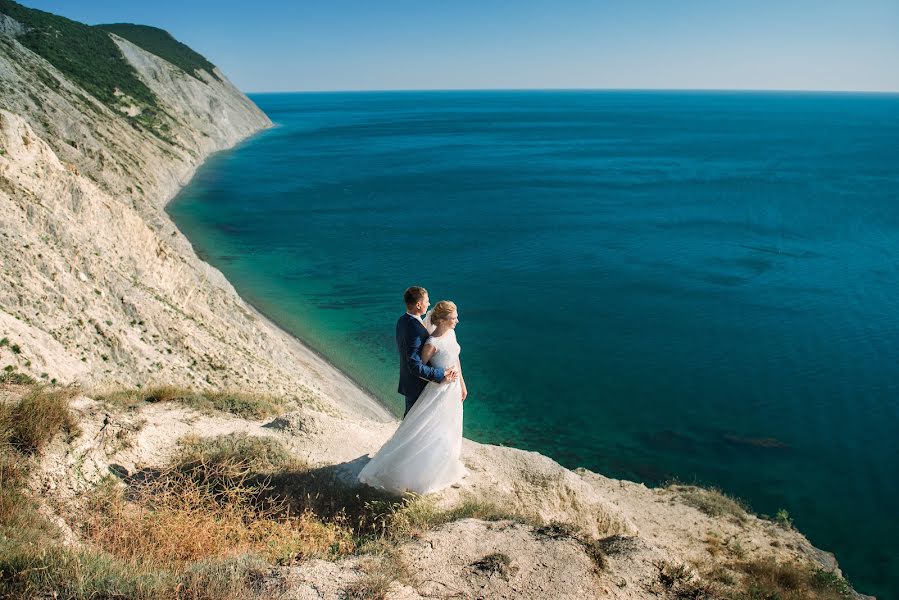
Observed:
{"x":410,"y":338}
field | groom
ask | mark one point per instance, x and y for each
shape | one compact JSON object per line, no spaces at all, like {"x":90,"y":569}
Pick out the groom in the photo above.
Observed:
{"x":410,"y":337}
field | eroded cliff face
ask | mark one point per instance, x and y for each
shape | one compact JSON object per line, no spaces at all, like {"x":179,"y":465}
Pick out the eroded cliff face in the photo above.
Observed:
{"x":97,"y":285}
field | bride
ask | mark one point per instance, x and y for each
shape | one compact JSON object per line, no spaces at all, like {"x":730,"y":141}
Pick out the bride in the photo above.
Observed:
{"x":423,"y":454}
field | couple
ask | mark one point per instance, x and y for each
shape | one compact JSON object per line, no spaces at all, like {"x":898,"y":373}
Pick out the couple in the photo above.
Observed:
{"x":423,"y":454}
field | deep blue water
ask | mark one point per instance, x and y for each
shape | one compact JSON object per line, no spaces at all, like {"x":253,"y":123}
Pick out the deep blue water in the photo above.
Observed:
{"x":702,"y":286}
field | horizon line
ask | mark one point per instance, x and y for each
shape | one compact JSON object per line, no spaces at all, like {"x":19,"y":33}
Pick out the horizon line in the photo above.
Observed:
{"x":576,"y":89}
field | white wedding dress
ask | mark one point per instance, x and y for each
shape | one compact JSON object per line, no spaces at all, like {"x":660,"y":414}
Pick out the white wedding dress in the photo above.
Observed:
{"x":423,"y":454}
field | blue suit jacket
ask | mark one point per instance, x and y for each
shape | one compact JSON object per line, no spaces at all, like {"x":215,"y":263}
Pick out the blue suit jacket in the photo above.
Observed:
{"x":414,"y":374}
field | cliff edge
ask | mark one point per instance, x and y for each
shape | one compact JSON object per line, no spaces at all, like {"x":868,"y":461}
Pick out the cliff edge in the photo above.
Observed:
{"x":104,"y":300}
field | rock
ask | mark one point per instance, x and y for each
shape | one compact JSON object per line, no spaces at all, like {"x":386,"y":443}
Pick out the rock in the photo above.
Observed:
{"x":10,"y":27}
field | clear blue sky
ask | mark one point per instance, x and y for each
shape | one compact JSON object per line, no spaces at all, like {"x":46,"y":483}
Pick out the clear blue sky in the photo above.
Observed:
{"x":283,"y":45}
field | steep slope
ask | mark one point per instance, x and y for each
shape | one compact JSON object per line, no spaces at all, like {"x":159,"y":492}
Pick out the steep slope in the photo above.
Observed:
{"x":98,"y":286}
{"x":162,"y":44}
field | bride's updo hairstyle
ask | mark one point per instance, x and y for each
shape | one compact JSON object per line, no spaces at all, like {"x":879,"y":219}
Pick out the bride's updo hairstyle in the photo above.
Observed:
{"x":442,"y":310}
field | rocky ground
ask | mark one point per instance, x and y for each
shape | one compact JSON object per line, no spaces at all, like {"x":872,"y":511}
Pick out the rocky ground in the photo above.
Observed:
{"x":585,"y":535}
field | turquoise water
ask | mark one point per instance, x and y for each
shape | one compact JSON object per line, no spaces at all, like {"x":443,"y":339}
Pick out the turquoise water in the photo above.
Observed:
{"x":650,"y":285}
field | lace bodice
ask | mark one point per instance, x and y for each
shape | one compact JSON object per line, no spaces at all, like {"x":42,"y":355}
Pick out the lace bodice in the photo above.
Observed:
{"x":448,"y":350}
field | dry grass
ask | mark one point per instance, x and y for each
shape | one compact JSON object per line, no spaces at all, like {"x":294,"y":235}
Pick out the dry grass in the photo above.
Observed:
{"x":233,"y":453}
{"x":711,"y":501}
{"x":681,"y":582}
{"x":414,"y":515}
{"x":212,"y":502}
{"x":378,"y":577}
{"x":788,"y":581}
{"x":246,"y":405}
{"x":31,"y":571}
{"x":29,"y":424}
{"x":175,"y":521}
{"x":559,"y":530}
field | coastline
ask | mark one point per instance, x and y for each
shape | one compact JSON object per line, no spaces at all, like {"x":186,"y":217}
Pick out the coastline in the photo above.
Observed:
{"x":348,"y":376}
{"x":351,"y":391}
{"x":104,"y":288}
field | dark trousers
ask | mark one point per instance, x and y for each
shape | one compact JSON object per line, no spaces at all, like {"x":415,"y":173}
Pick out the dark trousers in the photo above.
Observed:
{"x":410,"y":400}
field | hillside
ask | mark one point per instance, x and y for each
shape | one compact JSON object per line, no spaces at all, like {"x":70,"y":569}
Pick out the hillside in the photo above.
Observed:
{"x":159,"y":438}
{"x":162,"y":44}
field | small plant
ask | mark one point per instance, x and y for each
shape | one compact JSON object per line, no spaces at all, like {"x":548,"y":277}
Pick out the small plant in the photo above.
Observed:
{"x":16,"y":349}
{"x":782,"y":518}
{"x":496,"y":564}
{"x":4,"y":342}
{"x":378,"y":577}
{"x":559,"y":530}
{"x":681,"y":582}
{"x":11,"y":376}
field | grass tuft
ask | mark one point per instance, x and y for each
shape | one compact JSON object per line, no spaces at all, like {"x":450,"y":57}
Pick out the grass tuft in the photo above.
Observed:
{"x":246,"y":405}
{"x":414,"y":515}
{"x":231,"y":455}
{"x":378,"y":577}
{"x":29,"y":424}
{"x":711,"y":501}
{"x":767,"y":578}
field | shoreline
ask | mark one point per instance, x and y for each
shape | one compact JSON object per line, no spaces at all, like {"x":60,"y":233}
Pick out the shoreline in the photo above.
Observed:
{"x":373,"y":407}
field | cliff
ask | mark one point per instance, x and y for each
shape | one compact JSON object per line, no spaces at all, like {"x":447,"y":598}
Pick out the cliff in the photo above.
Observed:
{"x":98,"y":288}
{"x":98,"y":285}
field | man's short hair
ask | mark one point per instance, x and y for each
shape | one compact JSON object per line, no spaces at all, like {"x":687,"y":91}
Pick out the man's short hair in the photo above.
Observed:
{"x":414,"y":295}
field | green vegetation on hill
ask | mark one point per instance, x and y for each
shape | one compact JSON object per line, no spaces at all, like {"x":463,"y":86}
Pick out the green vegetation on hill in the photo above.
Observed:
{"x":162,"y":44}
{"x":84,"y":54}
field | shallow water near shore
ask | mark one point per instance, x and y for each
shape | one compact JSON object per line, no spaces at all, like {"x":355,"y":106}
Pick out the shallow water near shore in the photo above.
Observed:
{"x":651,"y":285}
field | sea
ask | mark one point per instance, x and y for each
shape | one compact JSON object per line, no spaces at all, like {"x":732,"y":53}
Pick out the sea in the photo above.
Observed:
{"x":657,"y":286}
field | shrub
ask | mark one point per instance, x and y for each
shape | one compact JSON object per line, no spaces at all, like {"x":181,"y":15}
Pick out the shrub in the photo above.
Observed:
{"x":29,"y":424}
{"x":782,"y":518}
